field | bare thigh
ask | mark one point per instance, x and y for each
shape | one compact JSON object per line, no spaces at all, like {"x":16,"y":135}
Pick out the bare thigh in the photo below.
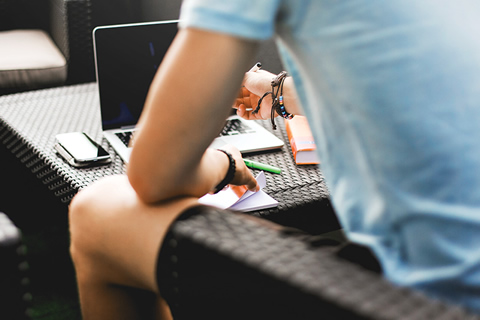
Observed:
{"x":115,"y":236}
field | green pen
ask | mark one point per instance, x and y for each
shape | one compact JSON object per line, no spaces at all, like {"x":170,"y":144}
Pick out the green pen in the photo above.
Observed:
{"x":261,"y":166}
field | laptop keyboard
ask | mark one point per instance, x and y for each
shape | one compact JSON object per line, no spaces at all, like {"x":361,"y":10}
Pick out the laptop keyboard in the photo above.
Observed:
{"x":234,"y":127}
{"x":125,"y":136}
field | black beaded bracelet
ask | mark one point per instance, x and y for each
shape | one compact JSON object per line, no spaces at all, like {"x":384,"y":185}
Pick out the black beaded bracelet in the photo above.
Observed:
{"x":277,"y":99}
{"x":230,"y":173}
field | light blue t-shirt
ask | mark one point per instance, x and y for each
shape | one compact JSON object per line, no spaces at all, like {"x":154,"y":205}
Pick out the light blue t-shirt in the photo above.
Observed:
{"x":392,"y":93}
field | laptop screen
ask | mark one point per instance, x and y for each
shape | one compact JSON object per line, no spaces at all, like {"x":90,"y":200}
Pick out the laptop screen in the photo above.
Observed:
{"x":126,"y":59}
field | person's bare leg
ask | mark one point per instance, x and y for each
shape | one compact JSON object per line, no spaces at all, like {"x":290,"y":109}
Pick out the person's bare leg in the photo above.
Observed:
{"x":115,"y":239}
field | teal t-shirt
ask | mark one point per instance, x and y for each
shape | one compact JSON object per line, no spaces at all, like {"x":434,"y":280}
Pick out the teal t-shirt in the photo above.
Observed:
{"x":392,"y":93}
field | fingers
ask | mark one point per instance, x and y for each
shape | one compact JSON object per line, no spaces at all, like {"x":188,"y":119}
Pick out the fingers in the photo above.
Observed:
{"x":247,"y":113}
{"x":253,"y":186}
{"x":264,"y":112}
{"x":243,"y":97}
{"x":251,"y":182}
{"x":246,"y":109}
{"x":241,"y":111}
{"x":255,"y":85}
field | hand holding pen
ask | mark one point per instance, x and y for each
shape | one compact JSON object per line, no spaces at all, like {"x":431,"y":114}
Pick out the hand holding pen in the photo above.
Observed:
{"x":247,"y":100}
{"x":244,"y":95}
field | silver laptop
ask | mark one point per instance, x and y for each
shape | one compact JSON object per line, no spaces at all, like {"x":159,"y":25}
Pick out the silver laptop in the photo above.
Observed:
{"x":126,"y":59}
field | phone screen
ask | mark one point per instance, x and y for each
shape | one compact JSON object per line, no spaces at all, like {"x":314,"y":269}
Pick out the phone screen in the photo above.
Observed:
{"x":81,"y":147}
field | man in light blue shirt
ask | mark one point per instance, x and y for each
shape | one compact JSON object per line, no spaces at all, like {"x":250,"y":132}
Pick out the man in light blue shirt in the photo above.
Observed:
{"x":392,"y":93}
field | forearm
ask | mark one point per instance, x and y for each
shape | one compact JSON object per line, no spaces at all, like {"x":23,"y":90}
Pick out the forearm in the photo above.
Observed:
{"x":185,"y":109}
{"x":197,"y":181}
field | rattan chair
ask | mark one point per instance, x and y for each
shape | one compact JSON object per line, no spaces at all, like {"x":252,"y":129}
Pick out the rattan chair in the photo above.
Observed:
{"x":309,"y":284}
{"x":69,"y":24}
{"x":15,"y":299}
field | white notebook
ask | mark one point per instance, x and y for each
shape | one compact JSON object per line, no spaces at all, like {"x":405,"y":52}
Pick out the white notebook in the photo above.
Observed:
{"x":239,"y":198}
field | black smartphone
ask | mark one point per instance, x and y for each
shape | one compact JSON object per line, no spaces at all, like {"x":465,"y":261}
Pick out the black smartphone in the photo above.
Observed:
{"x":80,"y":150}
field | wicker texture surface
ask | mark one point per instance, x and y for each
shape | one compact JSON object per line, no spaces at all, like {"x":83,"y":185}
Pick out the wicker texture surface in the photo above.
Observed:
{"x":29,"y":122}
{"x":343,"y":290}
{"x":71,"y":27}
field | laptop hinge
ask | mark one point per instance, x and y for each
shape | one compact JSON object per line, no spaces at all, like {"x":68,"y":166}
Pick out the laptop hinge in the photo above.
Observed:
{"x":130,"y":127}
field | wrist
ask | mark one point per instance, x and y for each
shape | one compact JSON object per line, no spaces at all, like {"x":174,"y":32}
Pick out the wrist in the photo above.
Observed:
{"x":230,"y":172}
{"x":281,"y":95}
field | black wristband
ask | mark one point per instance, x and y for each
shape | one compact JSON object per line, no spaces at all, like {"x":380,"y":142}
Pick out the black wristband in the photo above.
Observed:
{"x":230,"y":173}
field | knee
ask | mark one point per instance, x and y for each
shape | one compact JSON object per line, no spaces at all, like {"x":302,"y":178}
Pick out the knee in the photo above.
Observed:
{"x":88,"y":215}
{"x":93,"y":210}
{"x":80,"y":211}
{"x":81,"y":224}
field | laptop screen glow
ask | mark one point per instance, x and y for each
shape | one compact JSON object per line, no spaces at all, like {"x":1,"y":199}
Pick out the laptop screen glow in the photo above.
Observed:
{"x":127,"y":58}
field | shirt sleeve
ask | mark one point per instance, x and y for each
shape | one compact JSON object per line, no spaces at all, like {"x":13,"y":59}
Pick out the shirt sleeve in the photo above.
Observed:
{"x":251,"y":19}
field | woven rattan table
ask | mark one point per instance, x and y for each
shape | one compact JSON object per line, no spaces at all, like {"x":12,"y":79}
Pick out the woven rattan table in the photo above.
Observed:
{"x":29,"y":122}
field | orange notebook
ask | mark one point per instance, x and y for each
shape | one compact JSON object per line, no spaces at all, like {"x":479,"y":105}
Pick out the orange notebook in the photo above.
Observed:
{"x":301,"y":140}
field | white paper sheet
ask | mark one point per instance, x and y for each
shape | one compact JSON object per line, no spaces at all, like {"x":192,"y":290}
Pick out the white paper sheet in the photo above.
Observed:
{"x":241,"y":199}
